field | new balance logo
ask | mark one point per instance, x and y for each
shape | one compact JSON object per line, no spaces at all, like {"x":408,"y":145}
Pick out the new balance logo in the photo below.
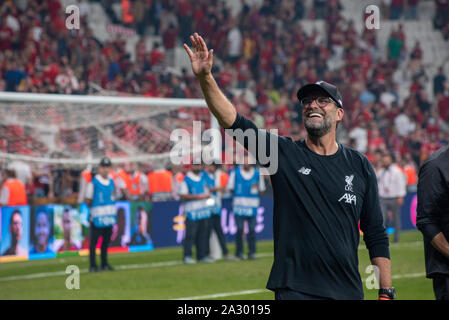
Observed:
{"x":349,"y":198}
{"x":305,"y":171}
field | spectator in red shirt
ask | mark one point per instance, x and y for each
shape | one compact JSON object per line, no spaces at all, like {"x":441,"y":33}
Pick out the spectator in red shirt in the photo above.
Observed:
{"x":243,"y":72}
{"x":148,"y":90}
{"x":443,"y":108}
{"x":141,"y":49}
{"x":169,"y":36}
{"x":364,"y":60}
{"x":157,"y":57}
{"x":375,"y":139}
{"x":6,"y":35}
{"x":266,"y":57}
{"x":417,"y":51}
{"x":227,"y":75}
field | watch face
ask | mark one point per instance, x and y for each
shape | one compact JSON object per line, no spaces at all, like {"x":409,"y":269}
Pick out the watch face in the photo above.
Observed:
{"x":392,"y":293}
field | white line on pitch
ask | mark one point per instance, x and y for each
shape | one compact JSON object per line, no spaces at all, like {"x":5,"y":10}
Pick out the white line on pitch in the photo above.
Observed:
{"x":409,"y":275}
{"x":120,"y":267}
{"x":62,"y":273}
{"x":253,"y":291}
{"x":156,"y":264}
{"x":224,"y":294}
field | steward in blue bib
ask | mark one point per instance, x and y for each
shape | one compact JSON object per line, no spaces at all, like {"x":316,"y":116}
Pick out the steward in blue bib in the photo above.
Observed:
{"x":197,"y":209}
{"x":103,"y":211}
{"x":209,"y":179}
{"x":103,"y":215}
{"x":246,"y":194}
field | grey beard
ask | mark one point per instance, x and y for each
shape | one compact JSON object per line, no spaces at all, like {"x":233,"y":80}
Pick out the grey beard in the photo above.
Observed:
{"x":318,"y":131}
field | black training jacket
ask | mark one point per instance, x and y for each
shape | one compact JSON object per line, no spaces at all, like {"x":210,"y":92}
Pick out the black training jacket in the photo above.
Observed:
{"x":433,"y":208}
{"x":318,"y":204}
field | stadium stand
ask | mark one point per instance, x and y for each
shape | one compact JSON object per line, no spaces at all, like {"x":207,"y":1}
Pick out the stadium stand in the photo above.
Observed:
{"x":393,"y":80}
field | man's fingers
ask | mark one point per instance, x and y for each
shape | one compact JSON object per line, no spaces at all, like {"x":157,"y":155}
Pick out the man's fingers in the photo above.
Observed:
{"x":202,"y":43}
{"x":211,"y":55}
{"x":198,"y":45}
{"x":189,"y":52}
{"x":194,"y":43}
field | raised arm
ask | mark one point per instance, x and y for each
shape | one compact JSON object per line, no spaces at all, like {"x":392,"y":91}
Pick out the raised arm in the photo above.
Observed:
{"x":202,"y":59}
{"x":374,"y":235}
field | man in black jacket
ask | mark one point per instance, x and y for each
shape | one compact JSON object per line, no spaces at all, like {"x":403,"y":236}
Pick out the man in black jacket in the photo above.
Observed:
{"x":321,"y":191}
{"x":433,"y":219}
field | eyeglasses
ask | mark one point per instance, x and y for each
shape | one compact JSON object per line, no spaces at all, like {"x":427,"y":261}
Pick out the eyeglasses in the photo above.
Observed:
{"x":320,"y":101}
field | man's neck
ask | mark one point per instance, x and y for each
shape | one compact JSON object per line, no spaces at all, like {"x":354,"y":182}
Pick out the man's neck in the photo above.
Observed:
{"x":324,"y":146}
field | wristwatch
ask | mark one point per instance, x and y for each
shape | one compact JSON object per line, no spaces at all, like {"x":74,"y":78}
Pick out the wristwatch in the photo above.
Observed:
{"x":390,"y":293}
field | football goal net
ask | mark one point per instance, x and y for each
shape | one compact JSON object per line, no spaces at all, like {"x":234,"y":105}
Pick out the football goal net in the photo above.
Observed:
{"x":78,"y":130}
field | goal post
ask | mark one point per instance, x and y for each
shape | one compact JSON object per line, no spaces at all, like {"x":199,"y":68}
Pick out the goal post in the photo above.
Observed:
{"x":77,"y":130}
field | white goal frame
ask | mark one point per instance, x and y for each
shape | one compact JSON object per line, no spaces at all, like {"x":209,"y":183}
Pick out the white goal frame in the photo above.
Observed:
{"x":21,"y":97}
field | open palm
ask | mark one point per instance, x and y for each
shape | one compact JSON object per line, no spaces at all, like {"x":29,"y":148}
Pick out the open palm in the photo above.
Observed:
{"x":201,"y":58}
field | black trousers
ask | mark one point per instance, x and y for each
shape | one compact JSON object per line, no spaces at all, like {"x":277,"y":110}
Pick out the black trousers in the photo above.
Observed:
{"x":441,"y":287}
{"x":95,"y":233}
{"x":288,"y":294}
{"x":197,"y":233}
{"x":215,"y":225}
{"x":251,"y":236}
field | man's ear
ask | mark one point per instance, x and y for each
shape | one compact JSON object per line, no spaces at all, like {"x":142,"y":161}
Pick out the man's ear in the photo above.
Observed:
{"x":340,"y":114}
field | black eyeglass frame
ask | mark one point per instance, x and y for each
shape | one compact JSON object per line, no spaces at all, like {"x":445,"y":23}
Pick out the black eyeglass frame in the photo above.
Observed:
{"x":322,"y":104}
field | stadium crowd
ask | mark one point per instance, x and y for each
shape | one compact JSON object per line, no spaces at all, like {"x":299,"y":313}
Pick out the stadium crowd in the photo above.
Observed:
{"x":263,"y":52}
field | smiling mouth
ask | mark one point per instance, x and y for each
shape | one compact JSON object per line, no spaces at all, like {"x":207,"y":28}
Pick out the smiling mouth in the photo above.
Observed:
{"x":315,"y":115}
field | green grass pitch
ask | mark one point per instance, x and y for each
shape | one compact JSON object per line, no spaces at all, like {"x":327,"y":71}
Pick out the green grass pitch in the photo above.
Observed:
{"x":160,"y":274}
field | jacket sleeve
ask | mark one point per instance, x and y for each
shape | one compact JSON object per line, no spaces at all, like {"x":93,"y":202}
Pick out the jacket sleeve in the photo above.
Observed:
{"x":371,"y":220}
{"x":430,"y":192}
{"x":261,"y":144}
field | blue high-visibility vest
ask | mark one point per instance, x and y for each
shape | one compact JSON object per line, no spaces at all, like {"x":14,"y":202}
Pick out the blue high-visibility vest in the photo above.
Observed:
{"x":196,"y":209}
{"x":210,"y":183}
{"x":103,"y":212}
{"x":246,"y":198}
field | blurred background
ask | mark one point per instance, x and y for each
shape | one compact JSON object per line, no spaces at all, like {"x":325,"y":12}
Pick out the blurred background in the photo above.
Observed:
{"x":393,"y":80}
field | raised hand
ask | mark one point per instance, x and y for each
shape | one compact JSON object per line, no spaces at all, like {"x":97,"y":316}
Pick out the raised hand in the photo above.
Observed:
{"x":201,"y":58}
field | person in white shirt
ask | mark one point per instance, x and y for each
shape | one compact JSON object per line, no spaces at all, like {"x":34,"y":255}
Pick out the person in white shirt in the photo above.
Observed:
{"x":392,"y":184}
{"x":85,"y":178}
{"x":404,"y":124}
{"x":178,"y":177}
{"x":360,"y":134}
{"x":235,"y":42}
